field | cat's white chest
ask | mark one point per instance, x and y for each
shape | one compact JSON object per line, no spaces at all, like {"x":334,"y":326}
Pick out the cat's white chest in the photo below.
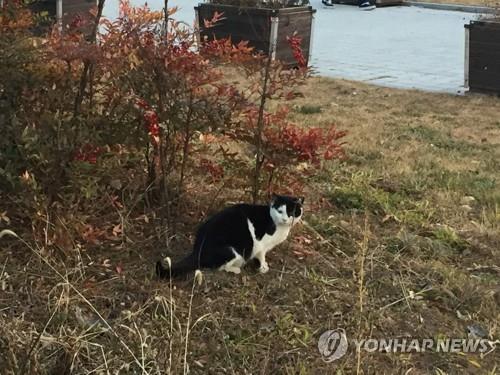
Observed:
{"x":267,"y":242}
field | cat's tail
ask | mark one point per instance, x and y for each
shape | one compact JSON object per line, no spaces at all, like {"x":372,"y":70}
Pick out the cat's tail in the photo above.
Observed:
{"x":184,"y":266}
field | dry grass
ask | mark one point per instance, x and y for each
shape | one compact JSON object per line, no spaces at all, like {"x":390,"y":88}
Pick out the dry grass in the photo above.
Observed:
{"x":394,"y":246}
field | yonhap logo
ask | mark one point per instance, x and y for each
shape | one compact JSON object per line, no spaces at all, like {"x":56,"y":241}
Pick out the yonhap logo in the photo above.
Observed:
{"x":332,"y":344}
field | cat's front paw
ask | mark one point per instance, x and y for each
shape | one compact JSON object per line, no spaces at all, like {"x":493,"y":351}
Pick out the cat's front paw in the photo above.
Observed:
{"x":235,"y":270}
{"x":264,"y":267}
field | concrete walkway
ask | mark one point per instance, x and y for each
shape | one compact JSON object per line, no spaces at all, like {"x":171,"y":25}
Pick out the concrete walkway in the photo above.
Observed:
{"x":406,"y":47}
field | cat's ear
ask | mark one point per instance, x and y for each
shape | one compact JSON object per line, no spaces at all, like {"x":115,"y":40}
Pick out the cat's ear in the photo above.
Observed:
{"x":274,"y":197}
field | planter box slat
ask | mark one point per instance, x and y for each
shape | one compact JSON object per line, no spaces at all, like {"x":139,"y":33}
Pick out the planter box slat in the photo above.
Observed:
{"x":484,"y":81}
{"x":79,"y":2}
{"x":485,"y":47}
{"x":488,"y":55}
{"x":70,"y":8}
{"x":302,"y":26}
{"x":486,"y":35}
{"x":483,"y":65}
{"x":254,"y":25}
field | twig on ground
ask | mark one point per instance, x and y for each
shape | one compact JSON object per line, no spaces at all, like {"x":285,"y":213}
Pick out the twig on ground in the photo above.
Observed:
{"x":196,"y":279}
{"x":405,"y":297}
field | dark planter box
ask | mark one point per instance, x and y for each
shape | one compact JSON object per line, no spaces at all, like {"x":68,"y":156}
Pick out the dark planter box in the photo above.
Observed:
{"x":70,"y":8}
{"x":261,"y":27}
{"x":482,"y":56}
{"x":64,"y":9}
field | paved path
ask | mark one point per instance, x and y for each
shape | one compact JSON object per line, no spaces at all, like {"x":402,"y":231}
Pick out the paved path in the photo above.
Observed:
{"x":406,"y":47}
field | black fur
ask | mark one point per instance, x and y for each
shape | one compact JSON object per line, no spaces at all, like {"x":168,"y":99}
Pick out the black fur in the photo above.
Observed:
{"x":228,"y":230}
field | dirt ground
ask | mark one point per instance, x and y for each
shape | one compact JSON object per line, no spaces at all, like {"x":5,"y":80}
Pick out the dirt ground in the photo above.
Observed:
{"x":401,"y":239}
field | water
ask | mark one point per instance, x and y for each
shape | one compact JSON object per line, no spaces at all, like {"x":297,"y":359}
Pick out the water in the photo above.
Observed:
{"x":405,"y":47}
{"x":185,"y":13}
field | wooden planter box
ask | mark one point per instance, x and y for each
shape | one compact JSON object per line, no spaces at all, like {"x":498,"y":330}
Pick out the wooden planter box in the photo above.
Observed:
{"x":64,"y":10}
{"x":482,"y":56}
{"x":261,"y":27}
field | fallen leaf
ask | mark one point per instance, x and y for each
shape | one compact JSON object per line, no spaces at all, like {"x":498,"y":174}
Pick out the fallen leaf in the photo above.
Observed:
{"x":4,"y":217}
{"x":117,"y":230}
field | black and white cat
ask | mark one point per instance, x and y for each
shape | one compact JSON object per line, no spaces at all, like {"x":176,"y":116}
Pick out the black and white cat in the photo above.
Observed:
{"x":238,"y":234}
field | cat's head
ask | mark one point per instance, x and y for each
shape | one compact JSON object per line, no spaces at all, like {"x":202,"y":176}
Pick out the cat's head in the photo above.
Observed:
{"x":286,"y":210}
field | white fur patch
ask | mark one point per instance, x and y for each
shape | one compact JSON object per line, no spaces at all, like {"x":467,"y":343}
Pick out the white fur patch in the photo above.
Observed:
{"x":267,"y":242}
{"x":234,"y":265}
{"x":283,"y":224}
{"x":280,"y":216}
